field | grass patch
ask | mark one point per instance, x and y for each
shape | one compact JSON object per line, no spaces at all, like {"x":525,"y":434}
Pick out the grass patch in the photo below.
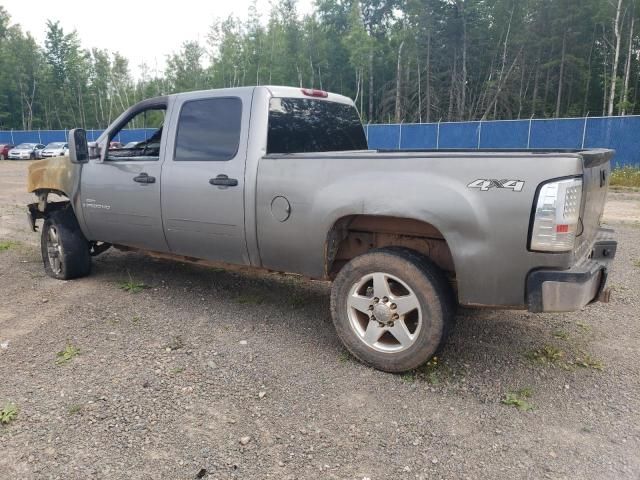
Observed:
{"x":344,"y":357}
{"x":74,"y":409}
{"x":636,"y":263}
{"x":583,"y":326}
{"x":433,"y":371}
{"x":8,"y":413}
{"x":176,"y":370}
{"x":625,"y":177}
{"x":519,"y":399}
{"x":548,"y":354}
{"x":66,"y":355}
{"x":132,"y":286}
{"x":8,"y":245}
{"x":587,"y":361}
{"x":408,"y":377}
{"x":561,"y":334}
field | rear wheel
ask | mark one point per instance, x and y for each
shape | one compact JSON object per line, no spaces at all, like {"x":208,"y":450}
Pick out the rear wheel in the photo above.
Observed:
{"x":65,"y":250}
{"x":392,"y":308}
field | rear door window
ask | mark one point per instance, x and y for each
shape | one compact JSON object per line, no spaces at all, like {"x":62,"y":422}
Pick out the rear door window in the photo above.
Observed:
{"x":209,"y":130}
{"x":299,"y":125}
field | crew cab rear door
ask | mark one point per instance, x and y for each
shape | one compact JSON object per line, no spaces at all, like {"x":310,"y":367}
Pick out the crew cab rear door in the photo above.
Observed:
{"x":203,"y":176}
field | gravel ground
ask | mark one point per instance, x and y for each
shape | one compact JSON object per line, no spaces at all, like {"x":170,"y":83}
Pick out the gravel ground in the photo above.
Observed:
{"x":240,"y":375}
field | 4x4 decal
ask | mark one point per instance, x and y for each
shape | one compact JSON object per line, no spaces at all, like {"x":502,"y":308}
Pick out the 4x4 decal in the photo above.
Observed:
{"x":486,"y":184}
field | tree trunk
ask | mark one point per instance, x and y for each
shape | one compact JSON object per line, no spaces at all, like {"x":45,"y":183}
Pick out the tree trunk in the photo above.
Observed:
{"x":627,"y":68}
{"x":22,"y":97}
{"x":454,"y":74}
{"x":561,"y":74}
{"x":399,"y":84}
{"x":428,"y":72}
{"x":501,"y":85}
{"x":419,"y":91}
{"x":504,"y":59}
{"x":370,"y":85}
{"x":536,"y":80}
{"x":521,"y":93}
{"x":547,"y":85}
{"x":616,"y":59}
{"x":462,"y":104}
{"x":635,"y":90}
{"x":586,"y":89}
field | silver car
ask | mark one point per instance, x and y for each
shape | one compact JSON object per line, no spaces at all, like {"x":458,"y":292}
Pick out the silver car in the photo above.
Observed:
{"x":26,"y":151}
{"x":55,"y":149}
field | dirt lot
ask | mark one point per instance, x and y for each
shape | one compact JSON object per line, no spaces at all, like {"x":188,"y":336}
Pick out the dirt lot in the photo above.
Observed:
{"x":242,"y":375}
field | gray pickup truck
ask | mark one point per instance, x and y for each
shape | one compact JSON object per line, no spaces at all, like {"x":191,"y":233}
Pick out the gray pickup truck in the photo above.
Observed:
{"x":281,"y":179}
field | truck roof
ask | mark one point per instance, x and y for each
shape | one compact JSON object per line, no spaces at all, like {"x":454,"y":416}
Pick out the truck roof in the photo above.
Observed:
{"x":275,"y":91}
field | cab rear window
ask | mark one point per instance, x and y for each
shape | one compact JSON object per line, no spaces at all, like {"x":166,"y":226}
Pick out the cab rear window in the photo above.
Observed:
{"x":299,"y":125}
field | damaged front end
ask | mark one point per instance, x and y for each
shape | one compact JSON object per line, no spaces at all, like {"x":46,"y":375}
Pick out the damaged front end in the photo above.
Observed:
{"x":56,"y":175}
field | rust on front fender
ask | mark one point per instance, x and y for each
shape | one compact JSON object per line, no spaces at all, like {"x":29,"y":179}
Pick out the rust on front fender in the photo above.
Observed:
{"x":53,"y":174}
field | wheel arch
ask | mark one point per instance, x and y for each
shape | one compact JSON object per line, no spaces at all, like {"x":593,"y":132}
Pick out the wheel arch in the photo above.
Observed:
{"x":353,"y":235}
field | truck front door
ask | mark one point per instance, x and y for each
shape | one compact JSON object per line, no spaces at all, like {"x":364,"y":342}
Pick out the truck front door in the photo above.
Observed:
{"x":203,"y":176}
{"x":121,"y":195}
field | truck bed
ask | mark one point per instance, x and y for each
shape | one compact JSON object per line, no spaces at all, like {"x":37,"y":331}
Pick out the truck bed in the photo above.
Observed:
{"x":487,"y":231}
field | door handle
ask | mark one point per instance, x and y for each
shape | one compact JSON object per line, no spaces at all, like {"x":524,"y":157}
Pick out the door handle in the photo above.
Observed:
{"x":223,"y":180}
{"x":144,"y":178}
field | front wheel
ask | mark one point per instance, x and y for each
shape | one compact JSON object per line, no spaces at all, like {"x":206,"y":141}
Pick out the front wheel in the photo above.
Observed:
{"x":392,"y":308}
{"x":65,"y":250}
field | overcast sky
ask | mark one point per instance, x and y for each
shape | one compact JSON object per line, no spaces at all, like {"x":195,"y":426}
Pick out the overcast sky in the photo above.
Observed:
{"x":140,"y":30}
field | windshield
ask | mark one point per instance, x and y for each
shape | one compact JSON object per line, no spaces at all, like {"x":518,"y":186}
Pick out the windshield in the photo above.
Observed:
{"x":25,"y":146}
{"x":56,"y":145}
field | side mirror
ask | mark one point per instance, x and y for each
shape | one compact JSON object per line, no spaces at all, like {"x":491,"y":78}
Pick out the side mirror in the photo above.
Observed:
{"x":78,"y":147}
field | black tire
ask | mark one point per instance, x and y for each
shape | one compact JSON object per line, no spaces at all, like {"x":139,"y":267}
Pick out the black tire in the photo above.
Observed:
{"x":32,"y":156}
{"x":72,"y":250}
{"x":424,"y":279}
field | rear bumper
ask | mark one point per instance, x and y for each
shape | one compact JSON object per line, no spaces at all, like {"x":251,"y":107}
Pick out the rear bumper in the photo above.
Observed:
{"x":573,"y":289}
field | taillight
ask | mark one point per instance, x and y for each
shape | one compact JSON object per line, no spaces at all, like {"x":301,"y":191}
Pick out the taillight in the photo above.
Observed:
{"x":312,"y":92}
{"x":557,"y":215}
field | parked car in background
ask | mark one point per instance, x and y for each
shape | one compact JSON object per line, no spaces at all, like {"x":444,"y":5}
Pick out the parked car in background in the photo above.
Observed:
{"x":26,"y":151}
{"x":55,"y":149}
{"x":115,"y":145}
{"x":4,"y":150}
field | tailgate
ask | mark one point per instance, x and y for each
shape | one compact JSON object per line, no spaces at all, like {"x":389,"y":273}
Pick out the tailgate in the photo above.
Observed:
{"x":597,"y":167}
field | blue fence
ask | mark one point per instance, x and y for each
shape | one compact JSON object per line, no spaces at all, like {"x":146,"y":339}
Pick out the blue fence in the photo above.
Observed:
{"x":619,"y":133}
